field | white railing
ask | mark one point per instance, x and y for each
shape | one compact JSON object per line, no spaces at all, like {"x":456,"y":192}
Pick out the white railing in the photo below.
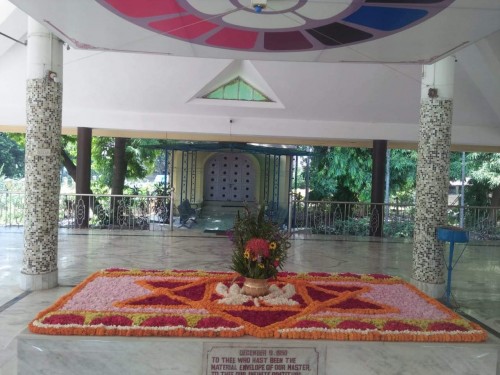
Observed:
{"x":105,"y":211}
{"x":142,"y":212}
{"x":395,"y":220}
{"x":353,"y":219}
{"x":11,"y":208}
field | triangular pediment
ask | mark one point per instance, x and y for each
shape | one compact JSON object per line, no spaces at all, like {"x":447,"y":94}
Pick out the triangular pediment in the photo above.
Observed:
{"x":237,"y":89}
{"x":238,"y":84}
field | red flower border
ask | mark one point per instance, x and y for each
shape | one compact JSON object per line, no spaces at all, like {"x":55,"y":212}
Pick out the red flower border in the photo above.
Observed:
{"x":297,"y":322}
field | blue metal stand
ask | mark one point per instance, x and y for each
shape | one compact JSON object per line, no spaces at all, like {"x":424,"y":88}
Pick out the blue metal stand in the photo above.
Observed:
{"x":451,"y":235}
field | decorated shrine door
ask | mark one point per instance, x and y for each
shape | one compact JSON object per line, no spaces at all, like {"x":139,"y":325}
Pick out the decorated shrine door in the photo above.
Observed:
{"x":230,"y":177}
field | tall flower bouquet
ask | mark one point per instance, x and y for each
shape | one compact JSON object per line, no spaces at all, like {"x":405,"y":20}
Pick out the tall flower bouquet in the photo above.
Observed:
{"x":260,"y":247}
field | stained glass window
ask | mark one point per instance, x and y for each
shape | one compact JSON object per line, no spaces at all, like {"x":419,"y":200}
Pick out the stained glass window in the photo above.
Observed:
{"x":237,"y":89}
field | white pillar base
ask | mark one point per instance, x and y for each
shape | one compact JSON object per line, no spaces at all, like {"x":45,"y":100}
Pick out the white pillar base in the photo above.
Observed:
{"x":432,"y":290}
{"x":39,"y":282}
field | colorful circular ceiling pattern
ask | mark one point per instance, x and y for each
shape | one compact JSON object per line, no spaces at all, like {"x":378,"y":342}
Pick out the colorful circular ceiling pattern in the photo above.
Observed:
{"x":283,"y":26}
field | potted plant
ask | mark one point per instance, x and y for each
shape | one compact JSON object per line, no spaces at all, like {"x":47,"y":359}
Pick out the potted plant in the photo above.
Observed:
{"x":260,"y":250}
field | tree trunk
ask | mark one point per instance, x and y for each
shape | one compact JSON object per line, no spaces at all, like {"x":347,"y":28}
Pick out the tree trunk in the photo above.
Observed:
{"x":118,"y":179}
{"x":119,"y":166}
{"x":71,"y":168}
{"x":68,"y":164}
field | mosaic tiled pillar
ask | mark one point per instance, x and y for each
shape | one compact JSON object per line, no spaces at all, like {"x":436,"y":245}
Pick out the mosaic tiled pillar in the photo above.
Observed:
{"x":42,"y":159}
{"x":433,"y":176}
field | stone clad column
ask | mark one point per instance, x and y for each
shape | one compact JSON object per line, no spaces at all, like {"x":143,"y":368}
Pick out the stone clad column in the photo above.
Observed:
{"x":42,"y":158}
{"x":433,"y":176}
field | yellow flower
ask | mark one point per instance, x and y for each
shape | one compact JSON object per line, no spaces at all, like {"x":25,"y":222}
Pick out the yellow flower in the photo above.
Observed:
{"x":260,"y":265}
{"x":272,"y":246}
{"x":246,"y":254}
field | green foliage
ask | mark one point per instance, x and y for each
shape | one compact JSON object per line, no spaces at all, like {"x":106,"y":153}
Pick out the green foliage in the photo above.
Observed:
{"x":344,"y":174}
{"x":340,"y":173}
{"x":477,"y":194}
{"x":317,"y":195}
{"x":400,"y":229}
{"x":9,"y":184}
{"x":19,"y":138}
{"x":403,"y":171}
{"x":68,"y":143}
{"x":161,"y":206}
{"x":485,"y":168}
{"x":102,"y":160}
{"x":301,"y":181}
{"x":455,"y":166}
{"x":140,"y":159}
{"x":250,"y":259}
{"x":11,"y":156}
{"x":484,"y":171}
{"x":100,"y":189}
{"x":11,"y":204}
{"x":2,"y":179}
{"x":350,"y":226}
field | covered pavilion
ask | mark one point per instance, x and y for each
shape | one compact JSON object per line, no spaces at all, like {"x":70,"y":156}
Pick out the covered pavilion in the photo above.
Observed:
{"x":356,"y":73}
{"x":368,"y":73}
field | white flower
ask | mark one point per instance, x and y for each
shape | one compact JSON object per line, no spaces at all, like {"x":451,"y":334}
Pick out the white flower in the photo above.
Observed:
{"x":232,"y":296}
{"x":277,"y":296}
{"x":280,"y":297}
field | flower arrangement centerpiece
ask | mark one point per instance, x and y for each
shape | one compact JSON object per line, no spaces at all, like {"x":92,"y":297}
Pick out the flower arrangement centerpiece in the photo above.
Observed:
{"x":260,"y":247}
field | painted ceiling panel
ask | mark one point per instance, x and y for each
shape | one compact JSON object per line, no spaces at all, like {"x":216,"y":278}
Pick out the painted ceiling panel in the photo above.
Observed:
{"x":417,"y":31}
{"x":326,"y":102}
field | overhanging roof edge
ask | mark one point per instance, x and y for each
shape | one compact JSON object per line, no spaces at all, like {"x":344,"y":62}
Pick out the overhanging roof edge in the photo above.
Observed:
{"x":231,"y":147}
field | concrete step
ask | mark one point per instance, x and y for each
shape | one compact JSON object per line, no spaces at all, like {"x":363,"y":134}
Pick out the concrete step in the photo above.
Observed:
{"x":222,"y":208}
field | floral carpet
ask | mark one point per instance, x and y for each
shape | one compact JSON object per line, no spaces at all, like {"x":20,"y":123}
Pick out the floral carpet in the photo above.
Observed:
{"x":337,"y":306}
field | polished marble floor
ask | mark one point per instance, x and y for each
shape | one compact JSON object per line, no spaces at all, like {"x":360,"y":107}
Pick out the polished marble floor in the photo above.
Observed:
{"x":476,"y":278}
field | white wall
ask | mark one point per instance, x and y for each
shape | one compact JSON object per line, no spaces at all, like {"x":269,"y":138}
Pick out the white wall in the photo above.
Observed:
{"x":13,"y":86}
{"x":322,"y":102}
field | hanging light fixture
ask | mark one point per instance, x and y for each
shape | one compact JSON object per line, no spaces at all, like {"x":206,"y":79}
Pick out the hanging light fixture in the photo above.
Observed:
{"x":258,"y":5}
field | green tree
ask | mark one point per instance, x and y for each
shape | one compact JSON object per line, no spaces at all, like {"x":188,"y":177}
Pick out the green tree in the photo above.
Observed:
{"x":456,"y":166}
{"x":11,"y":157}
{"x":484,"y":170}
{"x":340,"y":173}
{"x":113,"y":161}
{"x":344,"y":174}
{"x":134,"y":160}
{"x":117,"y":159}
{"x":403,"y":171}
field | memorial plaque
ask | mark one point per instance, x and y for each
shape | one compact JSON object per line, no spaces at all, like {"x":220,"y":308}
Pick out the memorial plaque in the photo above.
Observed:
{"x":260,"y":360}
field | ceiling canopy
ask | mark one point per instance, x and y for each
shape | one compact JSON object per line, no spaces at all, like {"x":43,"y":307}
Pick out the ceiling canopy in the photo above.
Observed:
{"x":165,"y":90}
{"x":415,"y":31}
